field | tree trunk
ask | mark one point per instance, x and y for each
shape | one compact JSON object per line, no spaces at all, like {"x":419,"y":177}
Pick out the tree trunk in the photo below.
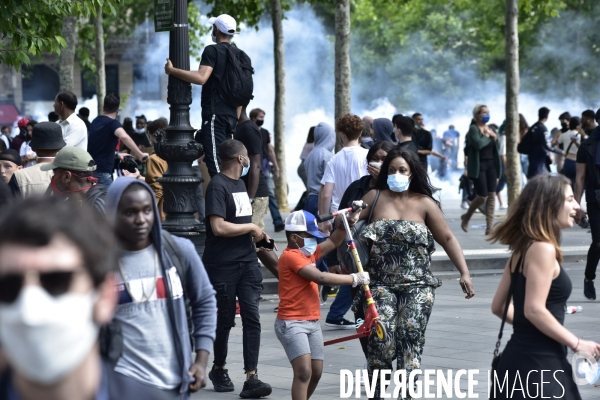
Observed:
{"x":100,"y":71}
{"x":67,"y":55}
{"x":279,"y":114}
{"x":513,"y":159}
{"x":342,"y":60}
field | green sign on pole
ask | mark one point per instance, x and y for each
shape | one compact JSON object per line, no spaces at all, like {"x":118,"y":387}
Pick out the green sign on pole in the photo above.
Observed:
{"x":163,"y":15}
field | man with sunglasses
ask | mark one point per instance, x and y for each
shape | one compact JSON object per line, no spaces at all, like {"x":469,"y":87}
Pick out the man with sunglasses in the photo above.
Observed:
{"x":73,"y":180}
{"x":158,"y":273}
{"x":56,"y":290}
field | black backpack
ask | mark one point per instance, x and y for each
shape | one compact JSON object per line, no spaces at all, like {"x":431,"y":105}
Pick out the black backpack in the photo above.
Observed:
{"x":237,"y":85}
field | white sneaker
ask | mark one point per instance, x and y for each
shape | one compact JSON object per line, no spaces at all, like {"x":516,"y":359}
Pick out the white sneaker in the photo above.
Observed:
{"x":503,"y":207}
{"x":464,"y":205}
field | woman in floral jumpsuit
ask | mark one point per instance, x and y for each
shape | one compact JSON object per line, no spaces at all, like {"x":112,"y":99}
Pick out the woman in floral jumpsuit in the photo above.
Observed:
{"x":406,"y":221}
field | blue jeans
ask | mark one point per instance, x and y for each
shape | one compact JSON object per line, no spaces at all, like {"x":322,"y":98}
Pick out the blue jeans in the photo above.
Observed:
{"x":104,"y":178}
{"x":273,"y":206}
{"x":244,"y":280}
{"x":341,"y":304}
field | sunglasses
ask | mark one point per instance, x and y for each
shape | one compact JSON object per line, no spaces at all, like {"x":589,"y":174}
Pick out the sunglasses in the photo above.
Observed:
{"x":55,"y":283}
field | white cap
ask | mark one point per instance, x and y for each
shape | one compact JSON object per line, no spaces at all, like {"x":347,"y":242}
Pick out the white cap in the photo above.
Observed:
{"x":225,"y":23}
{"x":303,"y":221}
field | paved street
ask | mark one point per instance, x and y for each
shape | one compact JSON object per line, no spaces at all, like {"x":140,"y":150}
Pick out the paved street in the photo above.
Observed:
{"x":461,"y":333}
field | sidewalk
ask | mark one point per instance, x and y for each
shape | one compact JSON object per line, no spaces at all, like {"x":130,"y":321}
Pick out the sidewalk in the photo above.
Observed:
{"x":461,"y":335}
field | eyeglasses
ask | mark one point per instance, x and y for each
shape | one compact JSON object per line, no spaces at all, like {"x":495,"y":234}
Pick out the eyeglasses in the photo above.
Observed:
{"x":55,"y":283}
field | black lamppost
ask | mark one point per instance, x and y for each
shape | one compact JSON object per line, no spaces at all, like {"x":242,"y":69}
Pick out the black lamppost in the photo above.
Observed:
{"x":179,"y":148}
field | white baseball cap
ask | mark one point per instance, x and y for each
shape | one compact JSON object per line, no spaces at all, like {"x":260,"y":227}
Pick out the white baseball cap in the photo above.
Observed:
{"x":303,"y":221}
{"x":225,"y":23}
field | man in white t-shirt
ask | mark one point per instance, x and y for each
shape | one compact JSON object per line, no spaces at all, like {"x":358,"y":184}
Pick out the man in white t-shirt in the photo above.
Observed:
{"x":347,"y":166}
{"x":74,"y":129}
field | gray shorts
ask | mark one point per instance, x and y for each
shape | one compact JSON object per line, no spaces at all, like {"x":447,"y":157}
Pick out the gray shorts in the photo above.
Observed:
{"x":300,"y":337}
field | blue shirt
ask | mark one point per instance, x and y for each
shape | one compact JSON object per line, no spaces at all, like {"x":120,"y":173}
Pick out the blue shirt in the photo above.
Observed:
{"x":451,"y":134}
{"x":102,"y":142}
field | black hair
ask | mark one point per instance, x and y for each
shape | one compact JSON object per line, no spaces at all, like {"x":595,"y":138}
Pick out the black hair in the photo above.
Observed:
{"x":84,"y":112}
{"x":543,"y":113}
{"x":128,"y":124}
{"x":112,"y":102}
{"x":28,"y":222}
{"x":141,"y":117}
{"x":574,"y":122}
{"x":385,"y":146}
{"x":52,"y":116}
{"x":451,"y":127}
{"x":589,"y":114}
{"x":2,"y":146}
{"x":395,"y":117}
{"x":419,"y":180}
{"x":415,"y":115}
{"x":565,"y":115}
{"x":69,"y":99}
{"x":230,"y":149}
{"x":406,"y":125}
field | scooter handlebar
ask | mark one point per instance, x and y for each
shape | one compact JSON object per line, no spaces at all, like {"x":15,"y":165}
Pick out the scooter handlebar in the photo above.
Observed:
{"x":328,"y":216}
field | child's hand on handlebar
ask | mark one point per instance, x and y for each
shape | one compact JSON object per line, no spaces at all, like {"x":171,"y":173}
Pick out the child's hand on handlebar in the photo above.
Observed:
{"x":355,"y":215}
{"x":360,"y":278}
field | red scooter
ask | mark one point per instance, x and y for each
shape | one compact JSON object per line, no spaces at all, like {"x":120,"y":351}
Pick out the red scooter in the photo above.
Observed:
{"x":372,"y":322}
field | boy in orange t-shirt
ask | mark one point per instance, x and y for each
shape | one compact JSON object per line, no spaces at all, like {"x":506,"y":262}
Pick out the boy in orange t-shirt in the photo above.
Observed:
{"x":297,"y":325}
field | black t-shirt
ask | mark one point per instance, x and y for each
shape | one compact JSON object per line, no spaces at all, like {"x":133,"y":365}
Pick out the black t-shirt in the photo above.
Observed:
{"x":102,"y":143}
{"x":487,"y":152}
{"x":266,"y":139}
{"x":586,"y":155}
{"x":424,"y":141}
{"x":409,"y":145}
{"x":249,"y":134}
{"x":227,"y":198}
{"x":215,"y":56}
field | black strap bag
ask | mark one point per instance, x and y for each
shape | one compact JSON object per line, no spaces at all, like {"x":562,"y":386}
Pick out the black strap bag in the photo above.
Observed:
{"x":363,"y":246}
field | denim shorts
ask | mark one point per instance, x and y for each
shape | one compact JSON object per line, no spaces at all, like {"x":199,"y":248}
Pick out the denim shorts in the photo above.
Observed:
{"x":300,"y":337}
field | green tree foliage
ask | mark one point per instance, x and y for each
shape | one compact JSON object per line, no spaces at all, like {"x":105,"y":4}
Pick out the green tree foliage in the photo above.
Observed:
{"x":128,"y":16}
{"x":29,"y":27}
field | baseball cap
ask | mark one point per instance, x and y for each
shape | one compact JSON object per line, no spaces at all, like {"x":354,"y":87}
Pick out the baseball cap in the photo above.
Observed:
{"x":47,"y":136}
{"x":303,"y":221}
{"x":11,"y":155}
{"x":225,"y":23}
{"x":71,"y":158}
{"x":23,"y":122}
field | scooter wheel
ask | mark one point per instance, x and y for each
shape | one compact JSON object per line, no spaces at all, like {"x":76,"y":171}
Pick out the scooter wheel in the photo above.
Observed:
{"x":380,"y":330}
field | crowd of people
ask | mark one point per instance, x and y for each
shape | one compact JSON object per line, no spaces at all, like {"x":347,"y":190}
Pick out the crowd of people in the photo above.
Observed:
{"x":98,"y":301}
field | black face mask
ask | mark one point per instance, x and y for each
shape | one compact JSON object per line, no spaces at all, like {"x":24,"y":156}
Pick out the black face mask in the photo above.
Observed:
{"x":564,"y":125}
{"x":260,"y":122}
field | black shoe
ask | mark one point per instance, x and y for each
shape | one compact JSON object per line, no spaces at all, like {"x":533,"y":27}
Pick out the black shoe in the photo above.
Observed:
{"x":255,"y":389}
{"x":324,"y":293}
{"x":341,"y":324}
{"x":220,"y":380}
{"x":279,"y":228}
{"x":588,"y":290}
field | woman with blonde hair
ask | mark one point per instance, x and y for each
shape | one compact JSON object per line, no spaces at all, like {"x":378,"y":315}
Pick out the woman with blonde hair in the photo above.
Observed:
{"x":539,"y":288}
{"x":483,"y":166}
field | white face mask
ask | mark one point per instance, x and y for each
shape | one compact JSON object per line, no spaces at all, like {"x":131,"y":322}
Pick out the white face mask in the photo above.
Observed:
{"x":375,"y":164}
{"x":45,"y":337}
{"x":140,"y":131}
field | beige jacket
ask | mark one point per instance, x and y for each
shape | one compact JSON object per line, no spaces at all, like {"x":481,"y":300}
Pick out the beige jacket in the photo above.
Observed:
{"x":32,"y":181}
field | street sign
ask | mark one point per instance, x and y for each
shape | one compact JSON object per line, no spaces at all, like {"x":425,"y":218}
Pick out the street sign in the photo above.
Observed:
{"x":163,"y":15}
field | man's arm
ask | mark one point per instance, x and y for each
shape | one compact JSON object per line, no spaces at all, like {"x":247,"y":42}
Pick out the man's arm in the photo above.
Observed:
{"x":197,"y":77}
{"x":254,"y":174}
{"x":222,"y":228}
{"x":128,"y":141}
{"x":271,"y":157}
{"x":580,"y":169}
{"x":325,"y":195}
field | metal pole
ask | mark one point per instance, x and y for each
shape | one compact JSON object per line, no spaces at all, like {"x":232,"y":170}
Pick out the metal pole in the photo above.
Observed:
{"x":178,"y":147}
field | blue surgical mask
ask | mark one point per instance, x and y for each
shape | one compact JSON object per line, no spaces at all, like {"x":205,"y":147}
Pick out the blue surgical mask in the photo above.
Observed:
{"x":398,"y":183}
{"x":246,"y":168}
{"x":310,"y":246}
{"x":485,"y":119}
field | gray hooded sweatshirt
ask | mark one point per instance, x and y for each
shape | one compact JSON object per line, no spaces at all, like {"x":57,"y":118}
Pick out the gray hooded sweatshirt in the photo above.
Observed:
{"x":138,"y":364}
{"x":318,"y":158}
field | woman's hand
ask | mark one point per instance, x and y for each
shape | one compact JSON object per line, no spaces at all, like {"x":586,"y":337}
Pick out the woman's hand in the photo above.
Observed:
{"x":135,"y":174}
{"x":467,"y":286}
{"x":588,"y":346}
{"x":373,"y":171}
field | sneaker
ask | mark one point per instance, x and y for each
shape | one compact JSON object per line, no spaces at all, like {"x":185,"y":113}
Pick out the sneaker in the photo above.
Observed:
{"x":588,"y":289}
{"x":255,"y":389}
{"x":464,"y":205}
{"x":341,"y":324}
{"x":279,"y":228}
{"x":276,"y":309}
{"x":220,"y":380}
{"x":324,"y":294}
{"x":503,"y":206}
{"x":333,"y":291}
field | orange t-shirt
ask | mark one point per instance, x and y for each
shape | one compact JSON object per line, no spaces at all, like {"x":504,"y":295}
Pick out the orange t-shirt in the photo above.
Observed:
{"x":298,"y":297}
